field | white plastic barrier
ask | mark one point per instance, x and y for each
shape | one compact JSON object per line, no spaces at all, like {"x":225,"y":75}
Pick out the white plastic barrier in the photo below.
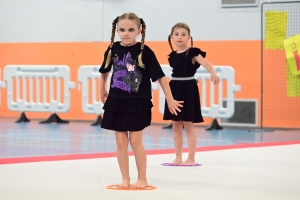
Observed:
{"x":86,"y":72}
{"x":2,"y":85}
{"x":38,"y":72}
{"x":215,"y":110}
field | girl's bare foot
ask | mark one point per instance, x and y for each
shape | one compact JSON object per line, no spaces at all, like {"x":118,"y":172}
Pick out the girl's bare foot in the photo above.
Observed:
{"x":177,"y":161}
{"x":189,"y":162}
{"x":124,"y":185}
{"x":140,"y":184}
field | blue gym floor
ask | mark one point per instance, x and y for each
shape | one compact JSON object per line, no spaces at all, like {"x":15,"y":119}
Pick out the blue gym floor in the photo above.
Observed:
{"x":34,"y":139}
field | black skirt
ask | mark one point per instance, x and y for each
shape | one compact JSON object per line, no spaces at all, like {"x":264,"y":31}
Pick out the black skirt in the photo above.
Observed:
{"x":126,"y":114}
{"x":188,"y":92}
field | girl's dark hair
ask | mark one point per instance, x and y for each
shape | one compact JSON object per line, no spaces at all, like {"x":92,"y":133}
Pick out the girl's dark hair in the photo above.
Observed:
{"x":140,"y":23}
{"x":180,"y":25}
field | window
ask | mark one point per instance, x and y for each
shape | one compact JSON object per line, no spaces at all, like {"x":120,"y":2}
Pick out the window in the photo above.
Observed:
{"x":238,"y":3}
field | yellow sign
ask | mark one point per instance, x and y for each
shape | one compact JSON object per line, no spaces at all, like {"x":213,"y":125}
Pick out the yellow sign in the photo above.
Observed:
{"x":293,"y":83}
{"x":275,"y":33}
{"x":292,"y":51}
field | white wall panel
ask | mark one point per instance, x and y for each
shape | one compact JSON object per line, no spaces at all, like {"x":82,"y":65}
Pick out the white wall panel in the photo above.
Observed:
{"x":202,"y":16}
{"x":90,"y":20}
{"x":50,"y":20}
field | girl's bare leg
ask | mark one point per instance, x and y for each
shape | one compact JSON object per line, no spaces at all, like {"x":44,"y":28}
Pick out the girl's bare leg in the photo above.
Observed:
{"x":122,"y":155}
{"x":136,"y":142}
{"x":192,"y":142}
{"x":178,"y":140}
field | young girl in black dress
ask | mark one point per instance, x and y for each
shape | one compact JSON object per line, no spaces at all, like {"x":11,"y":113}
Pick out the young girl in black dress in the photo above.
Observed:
{"x":185,"y":61}
{"x":128,"y":104}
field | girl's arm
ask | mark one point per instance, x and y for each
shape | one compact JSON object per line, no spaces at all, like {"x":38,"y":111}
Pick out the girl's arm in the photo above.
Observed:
{"x":103,"y":91}
{"x":202,"y":61}
{"x":172,"y":104}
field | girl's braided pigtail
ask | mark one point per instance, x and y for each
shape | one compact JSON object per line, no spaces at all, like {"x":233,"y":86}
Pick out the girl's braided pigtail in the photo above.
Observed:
{"x":140,"y":60}
{"x":187,"y":52}
{"x":114,"y":25}
{"x":170,"y":43}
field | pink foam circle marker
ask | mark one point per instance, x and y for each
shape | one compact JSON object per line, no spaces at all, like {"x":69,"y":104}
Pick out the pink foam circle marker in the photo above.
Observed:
{"x":180,"y":165}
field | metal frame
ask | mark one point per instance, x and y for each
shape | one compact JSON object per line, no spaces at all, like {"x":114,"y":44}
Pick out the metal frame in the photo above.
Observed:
{"x":262,"y":53}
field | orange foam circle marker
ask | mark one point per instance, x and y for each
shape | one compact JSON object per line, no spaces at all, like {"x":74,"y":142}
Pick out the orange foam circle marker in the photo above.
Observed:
{"x":115,"y":187}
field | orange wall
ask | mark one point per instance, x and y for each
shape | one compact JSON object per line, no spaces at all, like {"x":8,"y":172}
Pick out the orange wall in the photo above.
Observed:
{"x":243,"y":56}
{"x":279,"y":109}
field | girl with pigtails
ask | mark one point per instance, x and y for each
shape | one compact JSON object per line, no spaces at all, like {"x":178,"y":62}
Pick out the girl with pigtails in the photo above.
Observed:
{"x":185,"y":61}
{"x":127,"y":106}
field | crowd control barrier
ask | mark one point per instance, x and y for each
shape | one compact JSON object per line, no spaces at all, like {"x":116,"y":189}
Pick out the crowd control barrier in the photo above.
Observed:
{"x":86,"y":72}
{"x":36,"y":85}
{"x":226,"y":74}
{"x":2,"y":85}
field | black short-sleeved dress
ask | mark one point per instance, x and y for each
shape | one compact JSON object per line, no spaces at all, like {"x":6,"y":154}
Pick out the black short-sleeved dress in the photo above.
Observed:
{"x":128,"y":106}
{"x":185,"y":90}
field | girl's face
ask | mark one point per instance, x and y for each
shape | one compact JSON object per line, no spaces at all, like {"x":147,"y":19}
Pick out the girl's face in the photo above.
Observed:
{"x":180,"y":37}
{"x":128,"y":31}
